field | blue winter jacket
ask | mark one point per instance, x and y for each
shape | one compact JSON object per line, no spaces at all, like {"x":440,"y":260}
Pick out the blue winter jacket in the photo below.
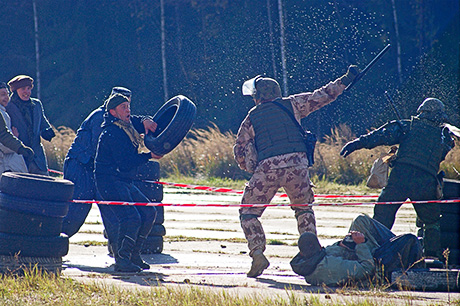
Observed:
{"x":116,"y":156}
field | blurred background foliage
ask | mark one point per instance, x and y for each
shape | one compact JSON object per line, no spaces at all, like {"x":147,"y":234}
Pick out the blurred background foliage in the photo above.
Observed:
{"x":213,"y":46}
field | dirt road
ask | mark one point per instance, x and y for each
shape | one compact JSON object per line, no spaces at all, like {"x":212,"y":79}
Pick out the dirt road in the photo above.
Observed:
{"x":204,"y":247}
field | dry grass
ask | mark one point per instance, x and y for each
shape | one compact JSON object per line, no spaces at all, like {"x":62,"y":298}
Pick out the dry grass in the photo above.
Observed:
{"x":208,"y":153}
{"x":56,"y":150}
{"x":204,"y":153}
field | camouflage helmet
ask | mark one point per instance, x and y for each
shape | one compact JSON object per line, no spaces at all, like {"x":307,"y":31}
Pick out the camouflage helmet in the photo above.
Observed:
{"x":267,"y":89}
{"x":431,"y":105}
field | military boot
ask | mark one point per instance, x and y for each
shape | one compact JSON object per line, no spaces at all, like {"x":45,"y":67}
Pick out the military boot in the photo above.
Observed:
{"x":136,"y":255}
{"x":259,"y":264}
{"x":122,"y":257}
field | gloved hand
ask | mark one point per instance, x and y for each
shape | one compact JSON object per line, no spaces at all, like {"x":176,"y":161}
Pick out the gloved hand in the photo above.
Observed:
{"x":350,"y":147}
{"x":27,"y":153}
{"x":351,"y":74}
{"x":48,"y":134}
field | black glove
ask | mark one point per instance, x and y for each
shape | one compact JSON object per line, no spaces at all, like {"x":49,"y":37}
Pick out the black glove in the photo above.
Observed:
{"x":48,"y":134}
{"x":351,"y":74}
{"x":350,"y":147}
{"x":27,"y":153}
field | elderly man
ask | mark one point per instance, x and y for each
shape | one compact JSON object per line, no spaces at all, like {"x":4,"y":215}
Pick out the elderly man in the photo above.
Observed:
{"x":79,"y":166}
{"x":117,"y":159}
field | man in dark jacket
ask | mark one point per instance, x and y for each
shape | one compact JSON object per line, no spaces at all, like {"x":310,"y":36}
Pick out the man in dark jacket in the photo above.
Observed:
{"x":79,"y":165}
{"x":28,"y":117}
{"x":117,"y":159}
{"x":424,"y":141}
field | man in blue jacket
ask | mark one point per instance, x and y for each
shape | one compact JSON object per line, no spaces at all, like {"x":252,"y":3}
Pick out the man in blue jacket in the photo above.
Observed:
{"x":117,"y":159}
{"x":79,"y":165}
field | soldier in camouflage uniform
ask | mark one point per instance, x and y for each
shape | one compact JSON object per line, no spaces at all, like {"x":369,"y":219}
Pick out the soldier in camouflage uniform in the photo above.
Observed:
{"x":424,"y":141}
{"x":270,"y":146}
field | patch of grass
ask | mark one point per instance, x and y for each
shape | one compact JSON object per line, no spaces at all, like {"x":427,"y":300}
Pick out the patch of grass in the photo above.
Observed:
{"x":214,"y":229}
{"x":181,"y":238}
{"x":35,"y":288}
{"x":281,"y":233}
{"x":275,"y":242}
{"x":90,"y":232}
{"x":91,"y":243}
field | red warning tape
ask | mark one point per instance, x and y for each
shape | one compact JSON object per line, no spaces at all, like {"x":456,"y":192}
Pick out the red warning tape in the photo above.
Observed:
{"x":264,"y":205}
{"x":229,"y":190}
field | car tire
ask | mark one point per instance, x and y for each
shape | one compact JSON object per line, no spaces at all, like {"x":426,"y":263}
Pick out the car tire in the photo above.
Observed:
{"x":32,"y":246}
{"x":35,"y":186}
{"x":30,"y":206}
{"x":153,"y":245}
{"x":18,"y":265}
{"x":157,"y":230}
{"x":174,"y":120}
{"x":154,"y":192}
{"x":149,"y":171}
{"x":18,"y":223}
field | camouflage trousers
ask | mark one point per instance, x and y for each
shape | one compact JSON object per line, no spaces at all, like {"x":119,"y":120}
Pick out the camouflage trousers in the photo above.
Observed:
{"x":261,"y":189}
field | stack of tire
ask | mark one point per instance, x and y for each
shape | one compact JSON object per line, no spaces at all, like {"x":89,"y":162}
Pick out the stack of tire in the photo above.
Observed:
{"x":32,"y":208}
{"x":450,"y":221}
{"x":146,"y":177}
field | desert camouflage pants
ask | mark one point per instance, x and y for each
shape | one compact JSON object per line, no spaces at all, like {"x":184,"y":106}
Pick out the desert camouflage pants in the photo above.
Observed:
{"x":261,"y":189}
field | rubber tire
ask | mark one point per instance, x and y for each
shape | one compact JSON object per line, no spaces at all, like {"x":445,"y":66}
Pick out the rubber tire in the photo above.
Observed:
{"x":451,"y":189}
{"x":149,"y":171}
{"x":174,"y":119}
{"x":18,"y":223}
{"x":18,"y":265}
{"x":154,"y":192}
{"x":37,"y":207}
{"x":160,"y":219}
{"x":153,"y":245}
{"x":35,"y":186}
{"x":427,"y":280}
{"x":30,"y":246}
{"x":157,"y":230}
{"x":450,"y":240}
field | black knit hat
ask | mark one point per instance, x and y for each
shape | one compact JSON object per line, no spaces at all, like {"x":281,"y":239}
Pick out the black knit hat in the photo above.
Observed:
{"x":309,"y":245}
{"x":121,"y":90}
{"x":115,"y":100}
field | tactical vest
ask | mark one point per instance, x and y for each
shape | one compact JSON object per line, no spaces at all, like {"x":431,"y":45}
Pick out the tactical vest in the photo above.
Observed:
{"x":423,"y":146}
{"x":275,"y":132}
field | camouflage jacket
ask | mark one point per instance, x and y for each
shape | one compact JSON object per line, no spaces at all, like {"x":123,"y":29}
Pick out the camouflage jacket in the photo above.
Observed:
{"x":303,"y":104}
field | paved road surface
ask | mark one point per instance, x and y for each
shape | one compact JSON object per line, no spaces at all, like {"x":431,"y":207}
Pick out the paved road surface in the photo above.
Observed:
{"x":199,"y":250}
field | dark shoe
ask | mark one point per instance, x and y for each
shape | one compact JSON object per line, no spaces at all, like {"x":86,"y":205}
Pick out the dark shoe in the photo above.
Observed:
{"x":125,"y":265}
{"x":137,"y":260}
{"x":259,"y":264}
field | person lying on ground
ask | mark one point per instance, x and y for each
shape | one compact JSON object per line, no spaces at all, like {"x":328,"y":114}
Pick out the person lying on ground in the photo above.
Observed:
{"x":369,"y":245}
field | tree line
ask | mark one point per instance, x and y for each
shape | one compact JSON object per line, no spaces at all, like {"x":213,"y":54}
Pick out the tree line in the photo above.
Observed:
{"x":206,"y":49}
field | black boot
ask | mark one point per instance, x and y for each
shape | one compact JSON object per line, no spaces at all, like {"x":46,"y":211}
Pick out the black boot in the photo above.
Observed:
{"x":122,"y":257}
{"x":136,"y":255}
